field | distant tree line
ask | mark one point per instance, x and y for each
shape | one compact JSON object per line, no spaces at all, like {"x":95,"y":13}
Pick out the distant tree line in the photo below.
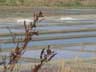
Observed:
{"x":12,"y":2}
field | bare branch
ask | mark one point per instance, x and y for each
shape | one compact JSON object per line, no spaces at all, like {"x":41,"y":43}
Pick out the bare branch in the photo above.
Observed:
{"x":44,"y":57}
{"x":18,"y":51}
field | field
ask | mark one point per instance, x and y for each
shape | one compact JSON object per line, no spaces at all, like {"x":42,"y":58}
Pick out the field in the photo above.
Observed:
{"x":48,"y":3}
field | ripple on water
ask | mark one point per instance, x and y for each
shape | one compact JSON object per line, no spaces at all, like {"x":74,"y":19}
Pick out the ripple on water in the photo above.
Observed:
{"x":61,"y":54}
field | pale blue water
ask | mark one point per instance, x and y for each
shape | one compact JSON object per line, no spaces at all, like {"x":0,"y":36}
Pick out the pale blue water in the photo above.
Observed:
{"x":67,"y":41}
{"x":4,"y":30}
{"x":50,"y":42}
{"x":57,"y":35}
{"x":60,"y":53}
{"x":82,"y":47}
{"x":54,"y":21}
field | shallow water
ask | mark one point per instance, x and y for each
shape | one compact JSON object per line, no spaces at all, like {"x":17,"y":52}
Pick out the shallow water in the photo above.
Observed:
{"x":61,"y":53}
{"x":50,"y":42}
{"x":56,"y":35}
{"x":5,"y":30}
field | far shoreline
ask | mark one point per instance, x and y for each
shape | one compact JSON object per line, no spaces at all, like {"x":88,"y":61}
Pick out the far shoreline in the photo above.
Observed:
{"x":14,"y":19}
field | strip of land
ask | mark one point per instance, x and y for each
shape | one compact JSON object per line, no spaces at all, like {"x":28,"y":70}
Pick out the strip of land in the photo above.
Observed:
{"x":49,"y":38}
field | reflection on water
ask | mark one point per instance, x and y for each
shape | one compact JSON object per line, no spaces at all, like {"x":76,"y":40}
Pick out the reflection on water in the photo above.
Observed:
{"x":61,"y":54}
{"x":48,"y":28}
{"x":56,"y":34}
{"x":50,"y":42}
{"x":68,"y":41}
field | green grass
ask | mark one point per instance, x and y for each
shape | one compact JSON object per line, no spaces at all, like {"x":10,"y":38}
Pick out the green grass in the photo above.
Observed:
{"x":47,"y":3}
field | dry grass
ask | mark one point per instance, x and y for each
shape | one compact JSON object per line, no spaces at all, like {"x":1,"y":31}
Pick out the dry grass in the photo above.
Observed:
{"x":58,"y":66}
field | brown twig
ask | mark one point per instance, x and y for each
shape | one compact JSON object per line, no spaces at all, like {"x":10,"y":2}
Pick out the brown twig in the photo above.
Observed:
{"x":44,"y":57}
{"x":17,"y":52}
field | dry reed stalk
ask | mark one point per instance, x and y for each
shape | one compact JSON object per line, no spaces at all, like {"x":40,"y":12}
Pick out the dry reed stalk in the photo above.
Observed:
{"x":18,"y":51}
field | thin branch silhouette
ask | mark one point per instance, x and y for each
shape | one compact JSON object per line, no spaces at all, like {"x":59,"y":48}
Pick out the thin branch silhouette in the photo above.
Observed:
{"x":16,"y":53}
{"x":44,"y":58}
